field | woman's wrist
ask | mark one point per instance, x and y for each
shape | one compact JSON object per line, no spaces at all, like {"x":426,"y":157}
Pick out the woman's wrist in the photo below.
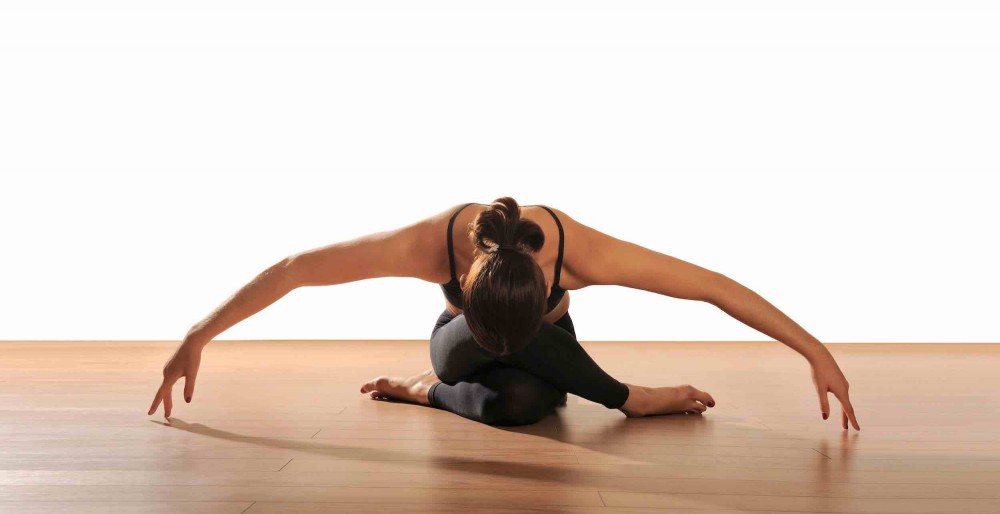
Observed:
{"x":195,"y":339}
{"x":817,"y":354}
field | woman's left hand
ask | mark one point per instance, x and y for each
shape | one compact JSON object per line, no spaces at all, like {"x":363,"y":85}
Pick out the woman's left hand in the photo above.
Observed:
{"x":184,"y":363}
{"x":829,"y":379}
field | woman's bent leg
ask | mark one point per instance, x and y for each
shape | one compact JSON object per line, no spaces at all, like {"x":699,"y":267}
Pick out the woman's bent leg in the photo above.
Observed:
{"x":554,"y":356}
{"x":452,"y":357}
{"x":497,"y":395}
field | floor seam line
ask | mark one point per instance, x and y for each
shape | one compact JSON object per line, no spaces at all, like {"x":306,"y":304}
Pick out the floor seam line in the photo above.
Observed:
{"x":823,"y":454}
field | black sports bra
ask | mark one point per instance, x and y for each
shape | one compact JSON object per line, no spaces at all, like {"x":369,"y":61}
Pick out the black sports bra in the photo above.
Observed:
{"x":453,"y":289}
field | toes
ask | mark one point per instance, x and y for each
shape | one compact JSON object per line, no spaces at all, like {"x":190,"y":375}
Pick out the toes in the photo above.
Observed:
{"x":703,"y":397}
{"x":377,"y":383}
{"x":697,"y":407}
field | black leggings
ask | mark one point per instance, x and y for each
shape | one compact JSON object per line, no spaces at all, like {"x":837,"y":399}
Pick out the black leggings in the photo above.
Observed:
{"x":519,"y":388}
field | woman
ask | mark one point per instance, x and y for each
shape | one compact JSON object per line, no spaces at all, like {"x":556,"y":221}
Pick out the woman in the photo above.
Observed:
{"x":504,"y":350}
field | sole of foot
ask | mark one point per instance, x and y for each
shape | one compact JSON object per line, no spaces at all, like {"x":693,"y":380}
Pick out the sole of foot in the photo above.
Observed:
{"x":409,"y":390}
{"x":654,"y":401}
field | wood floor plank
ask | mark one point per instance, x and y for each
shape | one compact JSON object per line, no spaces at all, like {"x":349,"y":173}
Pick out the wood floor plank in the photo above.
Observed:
{"x":820,"y":461}
{"x":118,"y":507}
{"x":193,"y":464}
{"x":801,"y":503}
{"x":287,"y":452}
{"x":355,"y":508}
{"x":428,"y":445}
{"x":676,"y":470}
{"x":831,"y":446}
{"x":129,"y":415}
{"x":749,"y":485}
{"x":402,"y":495}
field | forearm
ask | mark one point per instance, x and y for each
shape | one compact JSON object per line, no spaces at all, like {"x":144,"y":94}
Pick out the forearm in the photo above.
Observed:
{"x":266,"y":288}
{"x":750,"y":308}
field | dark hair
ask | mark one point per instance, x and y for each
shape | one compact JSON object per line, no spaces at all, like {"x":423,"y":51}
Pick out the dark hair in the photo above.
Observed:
{"x":506,"y":299}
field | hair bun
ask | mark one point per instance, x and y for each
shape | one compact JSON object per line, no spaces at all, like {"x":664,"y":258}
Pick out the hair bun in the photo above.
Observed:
{"x":500,"y":227}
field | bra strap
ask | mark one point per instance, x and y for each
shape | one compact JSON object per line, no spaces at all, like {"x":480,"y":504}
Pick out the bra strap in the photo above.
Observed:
{"x":451,"y":248}
{"x":555,"y":280}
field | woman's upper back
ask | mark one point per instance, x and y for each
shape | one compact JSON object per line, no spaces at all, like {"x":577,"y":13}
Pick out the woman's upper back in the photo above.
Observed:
{"x":460,"y":249}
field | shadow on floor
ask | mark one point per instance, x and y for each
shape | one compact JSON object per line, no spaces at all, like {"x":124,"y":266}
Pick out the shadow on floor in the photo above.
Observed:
{"x":310,"y":446}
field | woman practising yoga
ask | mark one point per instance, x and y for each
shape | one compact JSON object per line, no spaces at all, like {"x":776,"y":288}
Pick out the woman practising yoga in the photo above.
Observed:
{"x":504,"y":351}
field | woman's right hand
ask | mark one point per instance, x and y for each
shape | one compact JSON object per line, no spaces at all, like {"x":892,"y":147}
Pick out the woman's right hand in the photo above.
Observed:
{"x":830,"y":379}
{"x":185,"y":364}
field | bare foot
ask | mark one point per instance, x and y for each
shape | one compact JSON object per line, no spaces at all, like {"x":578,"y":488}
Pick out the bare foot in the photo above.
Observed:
{"x":412,"y":390}
{"x":650,"y":401}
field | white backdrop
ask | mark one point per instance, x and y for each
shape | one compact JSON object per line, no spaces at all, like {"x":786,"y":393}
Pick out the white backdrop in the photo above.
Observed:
{"x":840,"y":159}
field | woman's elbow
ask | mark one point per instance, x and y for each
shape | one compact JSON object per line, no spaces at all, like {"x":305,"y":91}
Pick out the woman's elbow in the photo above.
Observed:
{"x":717,"y":288}
{"x":288,"y":272}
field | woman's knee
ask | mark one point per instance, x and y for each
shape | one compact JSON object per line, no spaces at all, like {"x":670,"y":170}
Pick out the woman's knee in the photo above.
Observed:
{"x":455,"y":354}
{"x":519,"y":403}
{"x":504,"y":412}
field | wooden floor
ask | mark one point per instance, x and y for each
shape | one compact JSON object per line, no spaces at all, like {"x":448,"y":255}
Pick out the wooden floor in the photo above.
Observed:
{"x":279,"y":427}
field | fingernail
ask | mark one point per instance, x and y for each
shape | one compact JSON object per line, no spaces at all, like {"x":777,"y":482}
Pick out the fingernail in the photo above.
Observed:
{"x":825,"y":415}
{"x":188,"y":399}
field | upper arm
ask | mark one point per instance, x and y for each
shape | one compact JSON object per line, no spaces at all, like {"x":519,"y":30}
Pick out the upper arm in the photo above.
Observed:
{"x":400,"y":252}
{"x":601,"y":259}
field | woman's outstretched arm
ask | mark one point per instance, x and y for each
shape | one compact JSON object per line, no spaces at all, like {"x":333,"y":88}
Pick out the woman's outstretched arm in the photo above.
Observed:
{"x":610,"y":261}
{"x":394,"y":253}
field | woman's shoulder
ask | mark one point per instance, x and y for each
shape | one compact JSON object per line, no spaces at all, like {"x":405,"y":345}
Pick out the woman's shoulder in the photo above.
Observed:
{"x":572,"y":228}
